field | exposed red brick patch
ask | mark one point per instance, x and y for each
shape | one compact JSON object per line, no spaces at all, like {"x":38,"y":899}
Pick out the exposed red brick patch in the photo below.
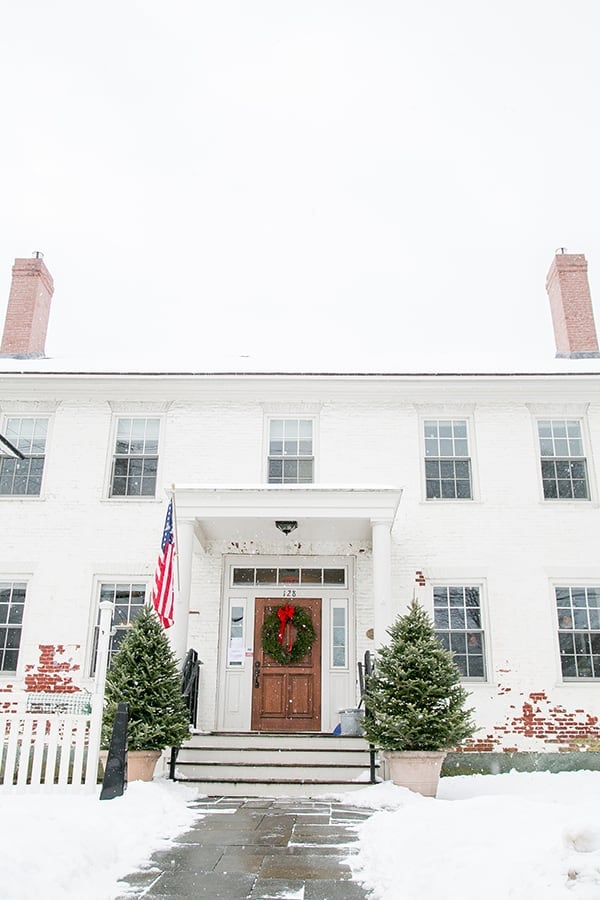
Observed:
{"x":51,"y":674}
{"x":553,"y":724}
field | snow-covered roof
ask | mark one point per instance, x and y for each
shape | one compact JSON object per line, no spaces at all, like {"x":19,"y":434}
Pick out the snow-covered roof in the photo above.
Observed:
{"x":404,"y":362}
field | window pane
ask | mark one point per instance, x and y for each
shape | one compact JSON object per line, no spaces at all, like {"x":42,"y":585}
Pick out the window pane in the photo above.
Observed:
{"x":568,"y":667}
{"x":339,"y":657}
{"x":458,"y":643}
{"x":446,"y":447}
{"x":276,"y":429}
{"x":291,"y":428}
{"x":455,"y":596}
{"x":448,"y":489}
{"x":457,"y":618}
{"x":266,"y":576}
{"x":305,"y":471}
{"x":463,"y":490}
{"x":289,"y":576}
{"x":476,"y":666}
{"x":444,"y":639}
{"x":566,"y":643}
{"x":275,"y":471}
{"x":312,"y":576}
{"x":440,"y":596}
{"x":290,"y":471}
{"x":584,"y":666}
{"x":334,"y":576}
{"x":339,"y":639}
{"x":441,"y":618}
{"x":243,"y":576}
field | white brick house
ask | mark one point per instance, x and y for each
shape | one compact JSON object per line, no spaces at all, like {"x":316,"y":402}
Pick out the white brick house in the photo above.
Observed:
{"x":476,"y":493}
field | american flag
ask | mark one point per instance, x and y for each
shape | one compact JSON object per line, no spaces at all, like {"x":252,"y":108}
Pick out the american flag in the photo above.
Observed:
{"x":162,"y":590}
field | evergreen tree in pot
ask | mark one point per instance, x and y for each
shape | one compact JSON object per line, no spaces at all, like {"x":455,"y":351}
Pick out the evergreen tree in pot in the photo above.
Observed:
{"x":415,"y":702}
{"x":144,"y":674}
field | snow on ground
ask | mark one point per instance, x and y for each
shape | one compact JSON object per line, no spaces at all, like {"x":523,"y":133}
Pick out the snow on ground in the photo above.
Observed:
{"x":77,"y":847}
{"x":520,"y":836}
{"x":504,"y":837}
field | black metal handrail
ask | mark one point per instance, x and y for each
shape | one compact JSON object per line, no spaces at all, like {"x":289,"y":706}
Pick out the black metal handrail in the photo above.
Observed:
{"x":190,"y":681}
{"x":365,"y":670}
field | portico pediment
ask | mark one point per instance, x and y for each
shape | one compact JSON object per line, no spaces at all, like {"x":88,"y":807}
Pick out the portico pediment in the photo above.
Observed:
{"x":323,"y":512}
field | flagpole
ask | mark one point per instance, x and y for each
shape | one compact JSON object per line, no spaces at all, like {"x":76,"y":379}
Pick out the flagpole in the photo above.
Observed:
{"x":176,"y":536}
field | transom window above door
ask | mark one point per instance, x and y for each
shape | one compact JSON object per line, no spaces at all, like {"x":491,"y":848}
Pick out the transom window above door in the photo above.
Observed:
{"x":242,"y":575}
{"x":291,"y":451}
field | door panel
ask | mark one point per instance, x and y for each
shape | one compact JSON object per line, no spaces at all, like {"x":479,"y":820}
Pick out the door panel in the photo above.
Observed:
{"x":286,"y":697}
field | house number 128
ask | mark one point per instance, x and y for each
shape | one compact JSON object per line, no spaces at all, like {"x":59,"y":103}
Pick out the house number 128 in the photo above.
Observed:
{"x":289,"y":593}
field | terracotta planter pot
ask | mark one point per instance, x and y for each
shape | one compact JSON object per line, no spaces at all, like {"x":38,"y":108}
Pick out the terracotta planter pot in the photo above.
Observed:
{"x":418,"y":770}
{"x":141,"y":764}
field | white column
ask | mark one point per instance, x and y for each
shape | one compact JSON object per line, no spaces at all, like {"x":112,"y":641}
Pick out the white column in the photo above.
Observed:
{"x":178,"y":633}
{"x":381,"y":532}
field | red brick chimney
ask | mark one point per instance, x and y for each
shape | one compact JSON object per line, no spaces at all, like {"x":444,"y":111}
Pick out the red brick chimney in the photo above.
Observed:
{"x":571,"y":304}
{"x":28,"y":309}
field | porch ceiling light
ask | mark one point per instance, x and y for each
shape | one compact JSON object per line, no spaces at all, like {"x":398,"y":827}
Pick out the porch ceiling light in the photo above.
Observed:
{"x":287,"y":527}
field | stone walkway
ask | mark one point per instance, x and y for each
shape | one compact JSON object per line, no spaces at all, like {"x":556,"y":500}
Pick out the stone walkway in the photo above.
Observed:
{"x":257,"y":849}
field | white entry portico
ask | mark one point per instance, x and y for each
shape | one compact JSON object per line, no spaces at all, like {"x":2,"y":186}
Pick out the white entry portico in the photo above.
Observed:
{"x":339,"y":532}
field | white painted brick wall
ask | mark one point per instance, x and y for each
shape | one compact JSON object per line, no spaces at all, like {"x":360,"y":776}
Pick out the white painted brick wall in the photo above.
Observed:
{"x":508,"y":539}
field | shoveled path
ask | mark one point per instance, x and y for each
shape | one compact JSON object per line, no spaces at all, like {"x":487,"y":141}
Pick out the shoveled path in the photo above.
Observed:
{"x":257,"y":849}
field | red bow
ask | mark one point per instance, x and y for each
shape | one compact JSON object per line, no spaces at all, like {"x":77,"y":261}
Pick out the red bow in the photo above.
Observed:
{"x":285,"y":614}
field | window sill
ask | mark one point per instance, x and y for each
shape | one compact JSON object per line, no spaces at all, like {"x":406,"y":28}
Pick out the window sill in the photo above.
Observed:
{"x":443,"y":501}
{"x":29,"y":498}
{"x":568,"y":501}
{"x":131,"y":499}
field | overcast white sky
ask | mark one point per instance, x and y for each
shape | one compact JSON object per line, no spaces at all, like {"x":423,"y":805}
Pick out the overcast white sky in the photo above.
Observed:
{"x":375,"y":181}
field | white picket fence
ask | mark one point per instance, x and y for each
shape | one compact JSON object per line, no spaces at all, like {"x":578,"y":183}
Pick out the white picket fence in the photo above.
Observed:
{"x":51,"y":742}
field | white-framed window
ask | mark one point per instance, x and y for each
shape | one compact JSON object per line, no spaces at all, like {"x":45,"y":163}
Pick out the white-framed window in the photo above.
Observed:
{"x":562,"y":459}
{"x":457,"y":619}
{"x":236,"y":636}
{"x":23,"y":477}
{"x":12,"y":605}
{"x":447,"y":460}
{"x":578,"y":613}
{"x":339,"y":634}
{"x":135,"y":458}
{"x":290,"y":451}
{"x":129,"y":598}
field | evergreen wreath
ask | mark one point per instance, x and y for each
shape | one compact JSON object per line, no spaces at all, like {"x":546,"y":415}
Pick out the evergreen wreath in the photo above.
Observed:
{"x":274,"y":642}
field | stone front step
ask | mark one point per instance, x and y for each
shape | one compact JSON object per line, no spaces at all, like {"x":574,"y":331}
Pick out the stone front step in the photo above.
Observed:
{"x":284,"y":772}
{"x":263,"y":765}
{"x":266,"y":756}
{"x":305,"y":789}
{"x":284,"y":740}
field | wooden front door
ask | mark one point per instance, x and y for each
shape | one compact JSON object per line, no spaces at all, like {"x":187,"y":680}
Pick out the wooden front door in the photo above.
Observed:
{"x":286,"y":697}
